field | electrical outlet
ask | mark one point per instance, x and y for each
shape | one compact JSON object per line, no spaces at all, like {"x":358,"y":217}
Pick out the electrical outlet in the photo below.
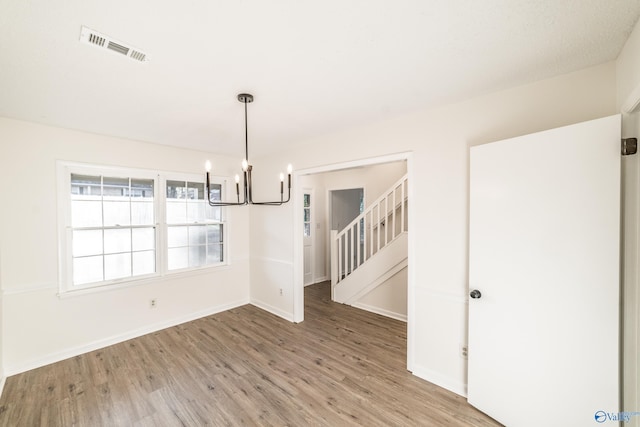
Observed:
{"x":153,"y":303}
{"x":464,"y":351}
{"x":280,"y":291}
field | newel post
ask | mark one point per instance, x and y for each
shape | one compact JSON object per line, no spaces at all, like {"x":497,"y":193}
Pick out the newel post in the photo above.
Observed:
{"x":334,"y":259}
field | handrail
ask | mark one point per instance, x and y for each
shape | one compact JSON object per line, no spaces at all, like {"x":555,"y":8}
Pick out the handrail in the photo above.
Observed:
{"x":376,"y":201}
{"x":370,"y":231}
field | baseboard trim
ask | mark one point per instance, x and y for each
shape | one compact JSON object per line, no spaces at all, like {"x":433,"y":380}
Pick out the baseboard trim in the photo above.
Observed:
{"x":440,"y":380}
{"x":381,"y":311}
{"x":273,"y":310}
{"x":96,"y":345}
{"x":316,"y":281}
{"x":3,"y":379}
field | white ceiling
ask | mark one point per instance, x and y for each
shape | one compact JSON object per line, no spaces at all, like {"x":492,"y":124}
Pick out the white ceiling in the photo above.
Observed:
{"x":313,"y":67}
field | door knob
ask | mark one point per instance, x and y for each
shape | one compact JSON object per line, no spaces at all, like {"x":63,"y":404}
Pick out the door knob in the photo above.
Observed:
{"x":475,"y":294}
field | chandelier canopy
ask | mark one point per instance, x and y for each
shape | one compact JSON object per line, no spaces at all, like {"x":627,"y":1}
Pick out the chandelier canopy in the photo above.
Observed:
{"x":247,"y":186}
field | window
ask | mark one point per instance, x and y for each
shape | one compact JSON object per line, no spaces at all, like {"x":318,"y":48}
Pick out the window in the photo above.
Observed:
{"x":307,"y":215}
{"x":123,"y":224}
{"x":194,"y":229}
{"x":113,"y":228}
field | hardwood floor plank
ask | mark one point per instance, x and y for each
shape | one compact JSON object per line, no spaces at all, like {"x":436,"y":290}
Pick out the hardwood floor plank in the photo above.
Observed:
{"x":245,"y":366}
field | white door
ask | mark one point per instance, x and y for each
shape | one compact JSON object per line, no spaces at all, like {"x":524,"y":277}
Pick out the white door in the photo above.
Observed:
{"x":307,"y":237}
{"x":544,"y":255}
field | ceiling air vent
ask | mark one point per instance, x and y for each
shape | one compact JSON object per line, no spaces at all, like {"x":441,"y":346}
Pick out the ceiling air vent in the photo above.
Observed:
{"x":96,"y":39}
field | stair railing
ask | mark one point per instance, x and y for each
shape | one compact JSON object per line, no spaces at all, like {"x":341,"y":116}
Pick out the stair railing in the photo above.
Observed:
{"x":379,"y":224}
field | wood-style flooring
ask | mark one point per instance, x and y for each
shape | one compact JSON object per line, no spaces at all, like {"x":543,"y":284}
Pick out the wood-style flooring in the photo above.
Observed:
{"x":341,"y":366}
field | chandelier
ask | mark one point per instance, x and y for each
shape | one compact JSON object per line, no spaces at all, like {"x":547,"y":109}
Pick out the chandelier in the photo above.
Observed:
{"x":247,"y":194}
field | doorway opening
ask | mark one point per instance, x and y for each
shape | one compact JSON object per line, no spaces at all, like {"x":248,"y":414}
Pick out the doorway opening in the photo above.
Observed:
{"x":336,"y":201}
{"x":331,"y":190}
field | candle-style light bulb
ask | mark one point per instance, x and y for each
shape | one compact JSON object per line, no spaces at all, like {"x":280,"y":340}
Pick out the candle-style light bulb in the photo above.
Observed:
{"x":207,"y":166}
{"x":281,"y":177}
{"x":289,"y":169}
{"x":245,"y":165}
{"x":237,"y":178}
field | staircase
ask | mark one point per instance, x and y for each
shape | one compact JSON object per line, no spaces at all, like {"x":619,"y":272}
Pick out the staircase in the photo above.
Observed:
{"x":372,"y":248}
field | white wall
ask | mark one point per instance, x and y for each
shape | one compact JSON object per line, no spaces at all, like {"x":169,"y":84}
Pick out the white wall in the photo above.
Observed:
{"x":375,"y":179}
{"x":439,"y":172}
{"x":38,"y":326}
{"x":628,"y":84}
{"x":271,"y":250}
{"x":2,"y":374}
{"x":389,"y":299}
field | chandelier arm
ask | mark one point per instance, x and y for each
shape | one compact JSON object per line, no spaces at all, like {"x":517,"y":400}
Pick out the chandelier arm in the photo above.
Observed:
{"x":216,"y":203}
{"x":281,"y":202}
{"x":274,"y":203}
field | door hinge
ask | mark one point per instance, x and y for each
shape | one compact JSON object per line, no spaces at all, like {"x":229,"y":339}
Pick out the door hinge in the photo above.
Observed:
{"x":629,"y":146}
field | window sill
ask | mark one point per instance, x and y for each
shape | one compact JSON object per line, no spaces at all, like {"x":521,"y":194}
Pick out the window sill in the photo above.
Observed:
{"x":129,"y":283}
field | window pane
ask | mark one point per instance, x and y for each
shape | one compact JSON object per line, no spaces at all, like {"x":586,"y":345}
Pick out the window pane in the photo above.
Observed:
{"x":178,"y":258}
{"x":117,"y":213}
{"x":197,"y":235}
{"x":87,"y":270}
{"x":214,"y":254}
{"x":197,"y":256}
{"x":144,"y":262}
{"x":176,"y":190}
{"x":142,"y":213}
{"x":143,"y":239}
{"x":176,"y":212}
{"x":87,"y":242}
{"x":215,"y":191}
{"x":142,"y":188}
{"x":177,"y":236}
{"x":117,"y":266}
{"x":307,"y":215}
{"x":195,"y":191}
{"x":196,"y":211}
{"x":115,"y":188}
{"x":85,"y":186}
{"x":214,"y":234}
{"x":214,"y":213}
{"x":86,"y":213}
{"x":307,"y":200}
{"x":118,"y":240}
{"x":307,"y":229}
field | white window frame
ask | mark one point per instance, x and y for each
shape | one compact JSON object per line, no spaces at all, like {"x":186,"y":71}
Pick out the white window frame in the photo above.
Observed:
{"x":65,"y":245}
{"x":166,"y":225}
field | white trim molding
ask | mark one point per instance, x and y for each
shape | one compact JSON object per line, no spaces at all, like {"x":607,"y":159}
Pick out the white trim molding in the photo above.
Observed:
{"x":381,"y":311}
{"x":271,"y":309}
{"x":440,"y":380}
